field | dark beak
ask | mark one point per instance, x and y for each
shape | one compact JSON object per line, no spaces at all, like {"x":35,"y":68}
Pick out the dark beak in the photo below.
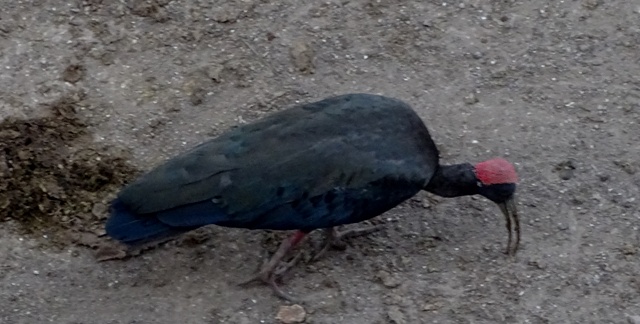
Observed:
{"x":510,"y":212}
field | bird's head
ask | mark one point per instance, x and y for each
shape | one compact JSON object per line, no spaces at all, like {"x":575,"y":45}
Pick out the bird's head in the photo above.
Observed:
{"x":497,"y":180}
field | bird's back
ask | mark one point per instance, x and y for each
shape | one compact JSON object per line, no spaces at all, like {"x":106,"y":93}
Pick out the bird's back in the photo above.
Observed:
{"x":336,"y":161}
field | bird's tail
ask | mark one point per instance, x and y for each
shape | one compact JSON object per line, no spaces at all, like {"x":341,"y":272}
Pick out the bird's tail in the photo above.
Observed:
{"x":134,"y":229}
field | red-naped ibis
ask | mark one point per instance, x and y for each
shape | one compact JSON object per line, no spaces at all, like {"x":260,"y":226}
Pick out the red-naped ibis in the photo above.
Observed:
{"x":318,"y":165}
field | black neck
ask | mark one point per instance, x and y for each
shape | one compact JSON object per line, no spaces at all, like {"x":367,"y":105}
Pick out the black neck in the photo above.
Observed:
{"x":453,"y":181}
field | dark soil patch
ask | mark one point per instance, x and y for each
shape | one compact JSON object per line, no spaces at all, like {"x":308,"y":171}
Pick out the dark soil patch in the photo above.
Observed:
{"x":54,"y":180}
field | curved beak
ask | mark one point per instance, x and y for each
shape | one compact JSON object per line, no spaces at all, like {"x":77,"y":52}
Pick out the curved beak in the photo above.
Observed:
{"x":510,"y":212}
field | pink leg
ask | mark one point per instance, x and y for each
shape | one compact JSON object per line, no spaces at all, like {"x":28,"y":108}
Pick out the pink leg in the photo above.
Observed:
{"x":270,"y":269}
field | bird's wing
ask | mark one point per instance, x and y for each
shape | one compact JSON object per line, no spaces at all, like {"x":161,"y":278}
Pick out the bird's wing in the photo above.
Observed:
{"x":298,"y":153}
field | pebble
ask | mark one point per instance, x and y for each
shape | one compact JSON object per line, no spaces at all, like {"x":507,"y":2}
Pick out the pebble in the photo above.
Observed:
{"x":633,"y":319}
{"x":566,"y":169}
{"x":291,"y":314}
{"x":396,"y":316}
{"x":626,"y":166}
{"x":303,"y":55}
{"x":214,"y":71}
{"x":591,"y":4}
{"x":431,"y":307}
{"x":387,"y":279}
{"x":471,"y":99}
{"x":73,"y":73}
{"x":99,"y":210}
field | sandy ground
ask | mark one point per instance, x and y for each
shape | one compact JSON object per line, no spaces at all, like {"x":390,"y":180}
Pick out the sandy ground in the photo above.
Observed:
{"x":554,"y":86}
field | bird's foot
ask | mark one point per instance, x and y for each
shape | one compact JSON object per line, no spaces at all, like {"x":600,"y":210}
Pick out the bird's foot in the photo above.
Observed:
{"x":274,"y":267}
{"x":335,"y":239}
{"x":270,"y":276}
{"x":270,"y":279}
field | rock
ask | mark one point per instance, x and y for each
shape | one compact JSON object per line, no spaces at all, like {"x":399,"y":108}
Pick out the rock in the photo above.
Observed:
{"x":213,"y":72}
{"x":73,"y":73}
{"x":152,"y":9}
{"x":539,"y":264}
{"x":396,"y":316}
{"x":591,"y":4}
{"x":225,"y":15}
{"x":86,"y":239}
{"x":629,"y":249}
{"x":99,"y":210}
{"x":194,"y":238}
{"x":428,"y":307}
{"x":197,"y":96}
{"x":240,"y":318}
{"x":110,"y":252}
{"x":387,"y":279}
{"x":633,"y":319}
{"x":291,"y":314}
{"x":107,"y":58}
{"x":626,"y":166}
{"x":302,"y":56}
{"x":471,"y":99}
{"x":565,"y":169}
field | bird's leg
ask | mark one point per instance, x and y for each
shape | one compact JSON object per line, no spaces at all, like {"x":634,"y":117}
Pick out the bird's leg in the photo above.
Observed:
{"x":270,"y":270}
{"x":335,"y":239}
{"x":283,"y":267}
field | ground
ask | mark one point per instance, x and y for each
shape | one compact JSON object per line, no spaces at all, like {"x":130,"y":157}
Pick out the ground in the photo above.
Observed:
{"x":93,"y":92}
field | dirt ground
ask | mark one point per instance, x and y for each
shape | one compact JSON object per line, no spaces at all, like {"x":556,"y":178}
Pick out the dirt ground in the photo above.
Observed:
{"x":94,"y":91}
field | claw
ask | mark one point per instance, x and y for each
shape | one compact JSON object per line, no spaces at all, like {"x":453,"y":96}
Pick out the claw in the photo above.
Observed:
{"x":280,"y":293}
{"x":274,"y":267}
{"x":336,"y":239}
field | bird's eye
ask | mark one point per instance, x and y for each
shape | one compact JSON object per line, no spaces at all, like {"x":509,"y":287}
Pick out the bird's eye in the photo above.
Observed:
{"x":479,"y":184}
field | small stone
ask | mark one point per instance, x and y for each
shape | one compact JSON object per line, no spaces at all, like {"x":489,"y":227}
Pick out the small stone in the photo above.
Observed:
{"x":197,"y":96}
{"x":213,"y":72}
{"x":302,"y":56}
{"x":591,"y":4}
{"x":73,"y":73}
{"x":225,"y":15}
{"x":584,"y":47}
{"x":428,"y":307}
{"x":387,"y":279}
{"x":471,"y":99}
{"x":396,"y":316}
{"x":565,"y":169}
{"x":107,"y":58}
{"x":539,"y":264}
{"x":633,"y":319}
{"x":629,"y":249}
{"x":626,"y":166}
{"x":291,"y":314}
{"x":477,"y":55}
{"x":99,"y":210}
{"x":194,"y":238}
{"x":239,"y":318}
{"x":110,"y":252}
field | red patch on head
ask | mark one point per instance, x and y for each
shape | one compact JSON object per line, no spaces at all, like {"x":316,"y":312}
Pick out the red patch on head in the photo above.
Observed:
{"x":496,"y":171}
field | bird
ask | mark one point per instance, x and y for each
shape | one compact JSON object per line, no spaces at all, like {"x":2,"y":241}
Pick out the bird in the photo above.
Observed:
{"x":314,"y":166}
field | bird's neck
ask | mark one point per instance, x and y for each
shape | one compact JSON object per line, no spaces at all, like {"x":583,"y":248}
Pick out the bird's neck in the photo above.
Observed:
{"x":453,"y":181}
